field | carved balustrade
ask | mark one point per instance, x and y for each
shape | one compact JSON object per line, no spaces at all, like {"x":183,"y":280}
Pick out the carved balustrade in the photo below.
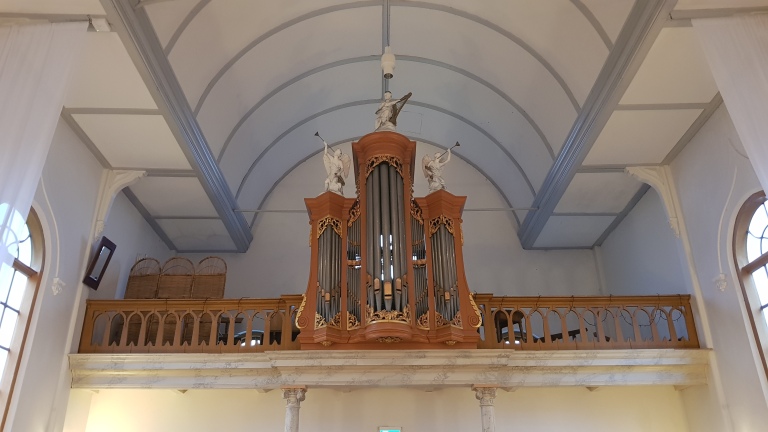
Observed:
{"x":257,"y":325}
{"x":214,"y":326}
{"x":568,"y":323}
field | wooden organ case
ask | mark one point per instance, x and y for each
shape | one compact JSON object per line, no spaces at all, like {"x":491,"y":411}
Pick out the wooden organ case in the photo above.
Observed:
{"x":386,"y":268}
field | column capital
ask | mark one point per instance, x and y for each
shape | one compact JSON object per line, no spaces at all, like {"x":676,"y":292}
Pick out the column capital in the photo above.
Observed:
{"x":294,"y":395}
{"x":485,"y":394}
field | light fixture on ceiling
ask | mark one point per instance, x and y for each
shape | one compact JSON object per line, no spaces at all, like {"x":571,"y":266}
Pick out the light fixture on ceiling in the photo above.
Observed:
{"x":388,"y":63}
{"x":98,"y":24}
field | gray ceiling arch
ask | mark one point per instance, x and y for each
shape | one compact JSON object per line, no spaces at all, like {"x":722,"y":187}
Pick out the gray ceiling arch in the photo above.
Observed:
{"x":352,"y":60}
{"x":183,"y":25}
{"x":376,"y":101}
{"x":595,"y":23}
{"x":498,"y":29}
{"x":423,"y":5}
{"x":432,"y":143}
{"x":270,"y":33}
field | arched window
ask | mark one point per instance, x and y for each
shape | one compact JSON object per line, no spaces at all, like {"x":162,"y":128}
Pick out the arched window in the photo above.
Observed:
{"x":19,"y":284}
{"x":750,"y":252}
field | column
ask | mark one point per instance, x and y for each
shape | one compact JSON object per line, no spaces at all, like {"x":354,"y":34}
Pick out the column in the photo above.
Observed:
{"x":486,"y":395}
{"x":293,"y":397}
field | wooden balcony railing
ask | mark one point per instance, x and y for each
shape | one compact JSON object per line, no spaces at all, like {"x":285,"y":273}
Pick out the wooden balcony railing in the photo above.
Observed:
{"x":177,"y":326}
{"x":567,"y":323}
{"x":257,"y":325}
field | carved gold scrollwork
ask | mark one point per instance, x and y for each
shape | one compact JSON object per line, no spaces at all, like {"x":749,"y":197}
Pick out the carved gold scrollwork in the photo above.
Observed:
{"x":319,"y":321}
{"x":423,"y":321}
{"x":354,"y":213}
{"x":389,"y":339}
{"x":328,"y":221}
{"x":385,"y":315}
{"x":477,"y":319}
{"x":440,"y":320}
{"x":456,"y":321}
{"x":371,"y":163}
{"x":301,"y":321}
{"x":416,"y":212}
{"x":352,"y":322}
{"x":336,"y":321}
{"x":435,"y":223}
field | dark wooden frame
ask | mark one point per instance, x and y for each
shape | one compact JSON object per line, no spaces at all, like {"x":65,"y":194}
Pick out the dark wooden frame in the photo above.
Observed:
{"x":90,"y":279}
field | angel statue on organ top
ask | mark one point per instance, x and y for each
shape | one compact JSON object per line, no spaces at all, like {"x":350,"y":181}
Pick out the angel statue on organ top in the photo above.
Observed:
{"x":337,"y":167}
{"x":386,"y":115}
{"x":433,"y":168}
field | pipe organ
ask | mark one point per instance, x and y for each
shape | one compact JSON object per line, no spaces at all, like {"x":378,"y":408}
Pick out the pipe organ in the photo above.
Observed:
{"x":386,"y":267}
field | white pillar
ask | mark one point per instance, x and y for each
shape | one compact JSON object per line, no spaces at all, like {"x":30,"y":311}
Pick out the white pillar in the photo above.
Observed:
{"x":486,"y":395}
{"x":293,"y":397}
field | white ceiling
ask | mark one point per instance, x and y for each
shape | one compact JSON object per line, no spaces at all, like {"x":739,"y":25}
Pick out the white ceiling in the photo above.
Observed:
{"x":509,"y":79}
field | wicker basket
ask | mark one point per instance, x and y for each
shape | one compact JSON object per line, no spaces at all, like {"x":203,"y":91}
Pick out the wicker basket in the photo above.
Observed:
{"x":210,"y":278}
{"x":142,"y":281}
{"x":175,"y":281}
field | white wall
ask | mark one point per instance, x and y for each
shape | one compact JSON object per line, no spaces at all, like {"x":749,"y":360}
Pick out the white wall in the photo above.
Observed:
{"x":642,"y":255}
{"x":65,"y":201}
{"x":703,"y":174}
{"x":628,"y":409}
{"x":278,"y":259}
{"x":134,"y":239}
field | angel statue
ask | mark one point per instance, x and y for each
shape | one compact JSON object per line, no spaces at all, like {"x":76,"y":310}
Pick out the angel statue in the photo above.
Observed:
{"x":386,"y":115}
{"x":337,"y":167}
{"x":433,"y":169}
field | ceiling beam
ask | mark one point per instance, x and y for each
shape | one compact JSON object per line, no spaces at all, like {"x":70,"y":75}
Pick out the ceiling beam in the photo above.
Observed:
{"x":139,"y":38}
{"x":643,"y":25}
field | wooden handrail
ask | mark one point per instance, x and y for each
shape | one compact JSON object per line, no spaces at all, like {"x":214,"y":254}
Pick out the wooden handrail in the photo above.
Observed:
{"x":256,"y":325}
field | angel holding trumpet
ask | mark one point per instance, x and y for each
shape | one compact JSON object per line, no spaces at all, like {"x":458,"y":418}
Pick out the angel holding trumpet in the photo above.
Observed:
{"x":336,"y":167}
{"x":433,"y":168}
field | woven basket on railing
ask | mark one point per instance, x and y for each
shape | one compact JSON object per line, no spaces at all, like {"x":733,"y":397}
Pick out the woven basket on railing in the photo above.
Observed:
{"x":142,"y":281}
{"x":210,"y":278}
{"x":175,"y":280}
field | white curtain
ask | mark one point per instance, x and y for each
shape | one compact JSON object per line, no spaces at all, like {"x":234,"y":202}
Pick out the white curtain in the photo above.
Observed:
{"x":34,"y":69}
{"x":737,"y":51}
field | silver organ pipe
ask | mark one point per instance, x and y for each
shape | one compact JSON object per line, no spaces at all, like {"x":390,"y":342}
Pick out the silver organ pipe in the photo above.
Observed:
{"x":387,"y":247}
{"x":353,"y":270}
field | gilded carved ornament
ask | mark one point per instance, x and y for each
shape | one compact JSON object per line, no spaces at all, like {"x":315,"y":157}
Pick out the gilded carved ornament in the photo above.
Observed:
{"x":372,"y":162}
{"x":435,"y":223}
{"x":328,"y":221}
{"x":319,"y":321}
{"x":354,"y":213}
{"x":301,"y":321}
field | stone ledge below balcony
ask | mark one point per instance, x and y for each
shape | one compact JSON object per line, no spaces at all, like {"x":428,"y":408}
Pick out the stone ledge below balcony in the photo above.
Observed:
{"x":427,"y":369}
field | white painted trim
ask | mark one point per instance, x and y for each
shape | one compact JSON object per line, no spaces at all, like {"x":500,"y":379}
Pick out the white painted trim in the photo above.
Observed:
{"x":735,"y":284}
{"x":660,"y":178}
{"x":113,"y":182}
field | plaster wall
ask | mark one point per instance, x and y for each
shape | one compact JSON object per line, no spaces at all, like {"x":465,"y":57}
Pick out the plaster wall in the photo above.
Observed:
{"x":703,"y":174}
{"x":656,"y":409}
{"x":278,"y":259}
{"x":134,"y":239}
{"x":642,"y":255}
{"x":65,"y":201}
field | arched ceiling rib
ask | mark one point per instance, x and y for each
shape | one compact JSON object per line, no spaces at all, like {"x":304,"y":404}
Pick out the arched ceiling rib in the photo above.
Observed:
{"x":423,"y":5}
{"x":438,"y":127}
{"x":584,"y":9}
{"x":489,"y":86}
{"x":351,"y":139}
{"x":374,"y":101}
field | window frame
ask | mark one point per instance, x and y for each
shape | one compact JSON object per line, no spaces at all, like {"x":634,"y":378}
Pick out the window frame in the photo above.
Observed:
{"x":744,"y":270}
{"x":26,"y":310}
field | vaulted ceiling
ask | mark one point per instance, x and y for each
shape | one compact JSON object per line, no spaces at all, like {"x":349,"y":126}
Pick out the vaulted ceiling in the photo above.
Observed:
{"x":218,"y":100}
